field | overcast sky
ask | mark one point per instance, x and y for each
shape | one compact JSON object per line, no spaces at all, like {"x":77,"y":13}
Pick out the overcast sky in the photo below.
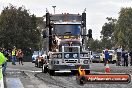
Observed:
{"x":97,"y":10}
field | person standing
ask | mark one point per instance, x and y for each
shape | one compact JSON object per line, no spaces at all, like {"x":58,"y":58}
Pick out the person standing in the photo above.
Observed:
{"x":14,"y":56}
{"x":125,"y":57}
{"x":20,"y":56}
{"x":106,"y":54}
{"x":130,"y":54}
{"x":119,"y":53}
{"x":4,"y":65}
{"x":2,"y":57}
{"x":3,"y":62}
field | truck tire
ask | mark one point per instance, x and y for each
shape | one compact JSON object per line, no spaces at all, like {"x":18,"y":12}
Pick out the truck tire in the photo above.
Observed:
{"x":51,"y":72}
{"x":39,"y":64}
{"x":36,"y":65}
{"x":44,"y":69}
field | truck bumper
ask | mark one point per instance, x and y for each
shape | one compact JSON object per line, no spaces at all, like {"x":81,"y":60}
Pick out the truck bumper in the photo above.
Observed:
{"x":72,"y":69}
{"x":68,"y":67}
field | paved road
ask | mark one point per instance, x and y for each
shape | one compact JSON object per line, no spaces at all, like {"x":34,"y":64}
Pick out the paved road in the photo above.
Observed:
{"x":24,"y":75}
{"x":29,"y":76}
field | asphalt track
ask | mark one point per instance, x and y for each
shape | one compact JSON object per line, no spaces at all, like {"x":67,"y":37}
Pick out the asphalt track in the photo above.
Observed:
{"x":28,"y":76}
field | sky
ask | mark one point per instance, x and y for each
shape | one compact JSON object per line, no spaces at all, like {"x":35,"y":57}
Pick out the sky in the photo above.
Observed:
{"x":97,"y":10}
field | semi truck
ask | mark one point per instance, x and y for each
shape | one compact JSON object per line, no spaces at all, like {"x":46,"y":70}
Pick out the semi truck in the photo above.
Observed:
{"x":66,"y":37}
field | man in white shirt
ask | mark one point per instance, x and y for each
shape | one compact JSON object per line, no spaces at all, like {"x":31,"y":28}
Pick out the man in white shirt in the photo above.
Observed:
{"x":119,"y":52}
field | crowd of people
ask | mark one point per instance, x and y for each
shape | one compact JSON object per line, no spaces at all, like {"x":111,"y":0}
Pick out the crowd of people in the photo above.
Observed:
{"x":11,"y":55}
{"x":122,"y":57}
{"x":17,"y":54}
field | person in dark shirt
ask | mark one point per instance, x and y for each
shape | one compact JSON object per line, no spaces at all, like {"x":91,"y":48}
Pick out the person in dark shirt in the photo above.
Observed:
{"x":4,"y":64}
{"x":130,"y":54}
{"x":119,"y":53}
{"x":125,"y":57}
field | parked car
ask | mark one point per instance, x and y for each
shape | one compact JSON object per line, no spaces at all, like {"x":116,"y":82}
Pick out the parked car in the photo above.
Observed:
{"x":96,"y":57}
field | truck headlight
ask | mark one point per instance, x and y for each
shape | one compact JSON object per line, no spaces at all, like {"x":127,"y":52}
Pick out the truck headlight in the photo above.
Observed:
{"x":74,"y":55}
{"x":59,"y":56}
{"x":66,"y":55}
{"x":54,"y":55}
{"x":84,"y":55}
{"x":85,"y":61}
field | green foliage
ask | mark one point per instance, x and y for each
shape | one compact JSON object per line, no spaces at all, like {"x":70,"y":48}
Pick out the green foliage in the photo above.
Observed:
{"x":18,"y":28}
{"x":107,"y":39}
{"x":108,"y":28}
{"x":124,"y":28}
{"x":95,"y":45}
{"x":116,"y":32}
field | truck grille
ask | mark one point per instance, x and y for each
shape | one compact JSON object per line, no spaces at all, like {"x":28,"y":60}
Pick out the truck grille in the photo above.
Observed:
{"x":70,"y":61}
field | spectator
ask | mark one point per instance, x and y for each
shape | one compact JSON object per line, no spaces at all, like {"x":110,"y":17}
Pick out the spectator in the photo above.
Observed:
{"x":130,"y":54}
{"x":14,"y":56}
{"x":20,"y":56}
{"x":2,"y":61}
{"x":9,"y":56}
{"x":6,"y":53}
{"x":119,"y":52}
{"x":125,"y":57}
{"x":2,"y":57}
{"x":106,"y":54}
{"x":4,"y":65}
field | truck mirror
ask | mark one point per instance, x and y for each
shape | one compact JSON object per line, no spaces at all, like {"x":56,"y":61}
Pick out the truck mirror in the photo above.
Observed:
{"x":90,"y":33}
{"x":44,"y":34}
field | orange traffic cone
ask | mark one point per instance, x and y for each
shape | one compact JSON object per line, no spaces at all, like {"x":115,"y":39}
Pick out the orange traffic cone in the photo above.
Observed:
{"x":107,"y":68}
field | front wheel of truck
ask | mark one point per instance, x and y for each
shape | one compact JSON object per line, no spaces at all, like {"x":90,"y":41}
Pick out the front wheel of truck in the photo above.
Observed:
{"x":51,"y":72}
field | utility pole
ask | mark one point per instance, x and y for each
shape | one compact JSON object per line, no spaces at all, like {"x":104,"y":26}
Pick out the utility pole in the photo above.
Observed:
{"x":54,"y":8}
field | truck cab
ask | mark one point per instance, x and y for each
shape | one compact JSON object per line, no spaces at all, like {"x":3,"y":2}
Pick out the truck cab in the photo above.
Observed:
{"x":66,"y":37}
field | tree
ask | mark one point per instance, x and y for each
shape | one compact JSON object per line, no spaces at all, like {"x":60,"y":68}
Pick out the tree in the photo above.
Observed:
{"x":108,"y":28}
{"x":41,"y":26}
{"x":124,"y":28}
{"x":107,"y":37}
{"x":18,"y":28}
{"x":94,"y":45}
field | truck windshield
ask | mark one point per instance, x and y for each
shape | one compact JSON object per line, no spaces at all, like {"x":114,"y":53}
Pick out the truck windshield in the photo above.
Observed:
{"x":67,"y":29}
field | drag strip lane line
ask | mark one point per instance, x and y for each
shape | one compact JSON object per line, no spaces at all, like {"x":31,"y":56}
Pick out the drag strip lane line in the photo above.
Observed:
{"x":24,"y":70}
